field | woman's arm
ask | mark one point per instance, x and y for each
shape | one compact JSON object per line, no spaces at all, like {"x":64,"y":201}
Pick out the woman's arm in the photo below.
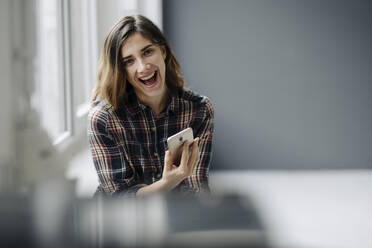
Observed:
{"x":115,"y":174}
{"x":198,"y":182}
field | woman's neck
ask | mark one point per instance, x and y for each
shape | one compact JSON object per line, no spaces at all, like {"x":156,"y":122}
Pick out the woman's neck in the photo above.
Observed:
{"x":157,"y":104}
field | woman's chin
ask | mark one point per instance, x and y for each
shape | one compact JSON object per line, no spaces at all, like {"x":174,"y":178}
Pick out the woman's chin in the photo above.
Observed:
{"x":154,"y":90}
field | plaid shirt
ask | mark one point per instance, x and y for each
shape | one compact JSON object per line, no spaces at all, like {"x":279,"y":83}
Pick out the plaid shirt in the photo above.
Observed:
{"x":128,"y":145}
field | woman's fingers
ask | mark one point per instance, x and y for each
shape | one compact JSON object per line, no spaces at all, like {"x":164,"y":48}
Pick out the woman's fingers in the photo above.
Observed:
{"x":194,"y":158}
{"x":185,"y":156}
{"x":189,"y":159}
{"x":168,"y":160}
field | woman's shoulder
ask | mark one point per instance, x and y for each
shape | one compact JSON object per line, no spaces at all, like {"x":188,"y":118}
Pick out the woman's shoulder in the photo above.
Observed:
{"x":100,"y":110}
{"x":201,"y":101}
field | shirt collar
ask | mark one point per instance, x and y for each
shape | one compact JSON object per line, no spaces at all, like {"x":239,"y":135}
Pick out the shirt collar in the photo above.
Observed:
{"x":134,"y":106}
{"x":172,"y":106}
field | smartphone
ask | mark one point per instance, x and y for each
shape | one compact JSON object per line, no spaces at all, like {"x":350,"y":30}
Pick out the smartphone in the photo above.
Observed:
{"x":175,"y":143}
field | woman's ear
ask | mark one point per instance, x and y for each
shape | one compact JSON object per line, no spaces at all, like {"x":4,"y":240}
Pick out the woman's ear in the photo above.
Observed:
{"x":163,"y":51}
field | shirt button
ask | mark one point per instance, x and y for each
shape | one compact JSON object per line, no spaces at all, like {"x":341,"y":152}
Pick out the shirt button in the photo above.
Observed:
{"x":156,"y":154}
{"x":158,"y":176}
{"x":153,"y":129}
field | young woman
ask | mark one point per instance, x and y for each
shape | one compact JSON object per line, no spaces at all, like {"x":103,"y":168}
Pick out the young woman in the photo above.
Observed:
{"x":140,"y":101}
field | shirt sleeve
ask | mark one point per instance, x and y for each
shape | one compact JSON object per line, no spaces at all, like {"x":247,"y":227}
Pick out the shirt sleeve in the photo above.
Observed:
{"x":199,"y":181}
{"x":116,"y":176}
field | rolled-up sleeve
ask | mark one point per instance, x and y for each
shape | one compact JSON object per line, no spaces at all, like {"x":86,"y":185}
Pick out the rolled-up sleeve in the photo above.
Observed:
{"x":116,"y":176}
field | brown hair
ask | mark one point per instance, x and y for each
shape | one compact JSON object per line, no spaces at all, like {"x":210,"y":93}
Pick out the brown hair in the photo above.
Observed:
{"x":112,"y":81}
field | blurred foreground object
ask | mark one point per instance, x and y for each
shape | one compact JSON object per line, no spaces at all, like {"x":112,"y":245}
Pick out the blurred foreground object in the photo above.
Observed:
{"x":53,"y":218}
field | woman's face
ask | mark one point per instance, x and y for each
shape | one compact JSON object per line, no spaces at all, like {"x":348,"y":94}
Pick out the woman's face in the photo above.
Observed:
{"x":145,"y":67}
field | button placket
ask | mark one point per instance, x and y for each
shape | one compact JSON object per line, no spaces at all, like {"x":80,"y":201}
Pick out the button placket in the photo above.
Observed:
{"x":157,"y":174}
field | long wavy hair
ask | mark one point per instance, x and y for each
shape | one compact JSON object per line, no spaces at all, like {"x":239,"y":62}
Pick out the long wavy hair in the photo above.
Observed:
{"x":112,"y":82}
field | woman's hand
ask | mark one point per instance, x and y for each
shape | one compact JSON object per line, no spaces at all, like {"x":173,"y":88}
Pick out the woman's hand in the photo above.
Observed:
{"x":174,"y":175}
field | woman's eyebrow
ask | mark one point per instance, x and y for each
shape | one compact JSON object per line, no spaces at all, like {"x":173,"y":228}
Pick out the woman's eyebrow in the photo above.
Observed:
{"x":143,"y":49}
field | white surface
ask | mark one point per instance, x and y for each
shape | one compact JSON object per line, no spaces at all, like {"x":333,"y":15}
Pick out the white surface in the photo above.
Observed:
{"x":330,"y":209}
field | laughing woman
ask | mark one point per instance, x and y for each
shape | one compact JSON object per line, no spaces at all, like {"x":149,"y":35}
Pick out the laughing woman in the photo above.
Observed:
{"x":140,"y":101}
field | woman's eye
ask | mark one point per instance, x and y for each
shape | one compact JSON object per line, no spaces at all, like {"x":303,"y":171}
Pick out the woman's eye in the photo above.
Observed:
{"x":148,"y":52}
{"x":128,"y":62}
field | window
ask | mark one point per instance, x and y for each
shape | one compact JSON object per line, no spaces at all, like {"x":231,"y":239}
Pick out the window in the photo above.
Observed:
{"x":66,"y":66}
{"x":84,"y":52}
{"x":52,"y":76}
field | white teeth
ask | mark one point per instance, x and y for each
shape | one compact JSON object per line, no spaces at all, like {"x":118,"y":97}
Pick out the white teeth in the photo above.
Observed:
{"x":147,"y":78}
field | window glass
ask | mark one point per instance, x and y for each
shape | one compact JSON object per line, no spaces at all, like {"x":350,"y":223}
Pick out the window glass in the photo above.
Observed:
{"x":82,"y":52}
{"x":50,"y":97}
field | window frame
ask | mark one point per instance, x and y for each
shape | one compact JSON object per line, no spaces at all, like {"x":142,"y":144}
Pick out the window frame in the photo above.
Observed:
{"x":73,"y":140}
{"x":90,"y":54}
{"x":63,"y":15}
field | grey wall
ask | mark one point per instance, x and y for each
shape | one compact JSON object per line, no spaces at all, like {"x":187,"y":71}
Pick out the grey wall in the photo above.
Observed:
{"x":291,"y":81}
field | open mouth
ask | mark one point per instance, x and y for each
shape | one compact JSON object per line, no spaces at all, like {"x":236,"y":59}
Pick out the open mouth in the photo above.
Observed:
{"x":150,"y":80}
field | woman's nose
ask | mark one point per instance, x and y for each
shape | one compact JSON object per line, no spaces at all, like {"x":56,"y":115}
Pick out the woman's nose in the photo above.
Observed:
{"x":142,"y":65}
